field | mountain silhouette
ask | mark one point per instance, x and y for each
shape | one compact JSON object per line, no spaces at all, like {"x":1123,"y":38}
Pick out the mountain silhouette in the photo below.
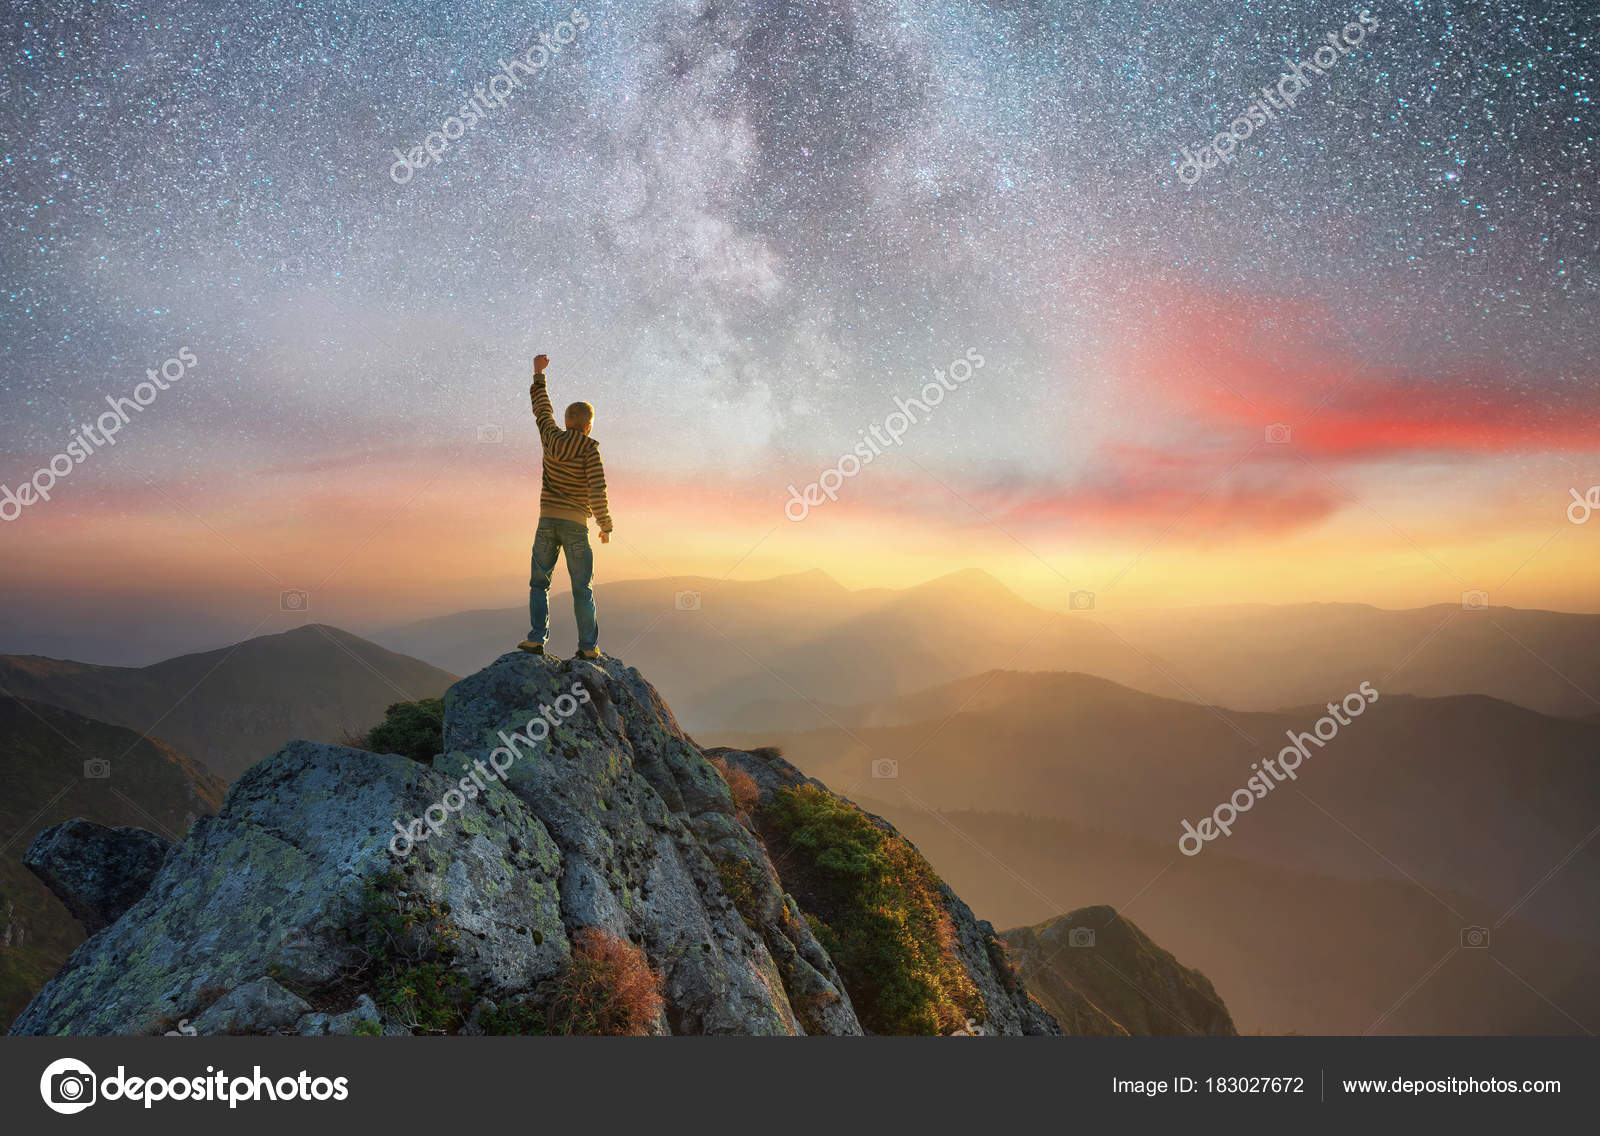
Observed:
{"x":231,"y":707}
{"x":1465,"y":793}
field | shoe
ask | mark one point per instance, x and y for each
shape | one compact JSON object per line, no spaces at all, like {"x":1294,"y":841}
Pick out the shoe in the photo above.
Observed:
{"x":591,"y":653}
{"x":531,"y":647}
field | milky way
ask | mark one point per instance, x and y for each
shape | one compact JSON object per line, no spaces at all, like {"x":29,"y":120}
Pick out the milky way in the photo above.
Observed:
{"x":742,"y":227}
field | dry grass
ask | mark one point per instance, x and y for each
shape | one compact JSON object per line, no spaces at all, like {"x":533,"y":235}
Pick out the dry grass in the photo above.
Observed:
{"x":608,"y":988}
{"x":746,"y":793}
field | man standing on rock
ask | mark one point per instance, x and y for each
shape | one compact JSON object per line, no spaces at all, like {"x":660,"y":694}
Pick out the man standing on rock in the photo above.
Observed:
{"x":574,"y":489}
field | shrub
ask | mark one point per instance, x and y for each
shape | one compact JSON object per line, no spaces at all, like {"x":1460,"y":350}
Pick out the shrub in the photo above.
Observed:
{"x":607,"y":987}
{"x":877,"y":906}
{"x":522,"y":1018}
{"x":411,"y":729}
{"x":746,"y":793}
{"x":409,"y":943}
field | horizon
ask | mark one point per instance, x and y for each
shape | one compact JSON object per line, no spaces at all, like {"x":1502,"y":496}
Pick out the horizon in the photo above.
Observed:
{"x":371,"y":632}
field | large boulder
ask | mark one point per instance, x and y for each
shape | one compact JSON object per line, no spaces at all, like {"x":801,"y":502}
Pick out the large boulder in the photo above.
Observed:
{"x":97,"y":872}
{"x":262,"y":1006}
{"x":273,"y":883}
{"x":647,"y":832}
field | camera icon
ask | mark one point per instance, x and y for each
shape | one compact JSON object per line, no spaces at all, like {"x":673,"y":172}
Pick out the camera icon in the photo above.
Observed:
{"x":490,"y":435}
{"x":68,"y":1086}
{"x":686,"y":601}
{"x":1081,"y":601}
{"x":97,"y":769}
{"x":1080,"y":937}
{"x":1278,"y":434}
{"x":1475,"y":600}
{"x":294,"y":600}
{"x":1474,"y":938}
{"x":885,"y":768}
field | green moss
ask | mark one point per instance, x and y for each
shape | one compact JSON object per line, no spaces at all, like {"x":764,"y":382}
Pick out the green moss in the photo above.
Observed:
{"x":876,"y":905}
{"x":743,"y":886}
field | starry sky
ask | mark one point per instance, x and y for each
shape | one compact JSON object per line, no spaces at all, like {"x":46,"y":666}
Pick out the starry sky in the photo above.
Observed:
{"x":1357,"y":361}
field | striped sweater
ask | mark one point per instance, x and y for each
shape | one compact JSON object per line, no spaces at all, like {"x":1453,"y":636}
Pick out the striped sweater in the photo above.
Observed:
{"x":574,"y":480}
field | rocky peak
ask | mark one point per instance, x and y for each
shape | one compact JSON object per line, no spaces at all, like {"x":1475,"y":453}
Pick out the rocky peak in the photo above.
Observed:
{"x":568,"y":837}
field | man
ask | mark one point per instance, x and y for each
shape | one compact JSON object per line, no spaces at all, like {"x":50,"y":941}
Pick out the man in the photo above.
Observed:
{"x":574,"y":489}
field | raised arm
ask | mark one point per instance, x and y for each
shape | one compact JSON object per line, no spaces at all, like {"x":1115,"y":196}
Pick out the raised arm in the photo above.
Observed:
{"x":544,"y":414}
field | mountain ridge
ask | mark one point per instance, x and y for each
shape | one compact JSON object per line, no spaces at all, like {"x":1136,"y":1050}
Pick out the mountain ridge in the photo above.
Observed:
{"x":618,"y":835}
{"x":232,"y":706}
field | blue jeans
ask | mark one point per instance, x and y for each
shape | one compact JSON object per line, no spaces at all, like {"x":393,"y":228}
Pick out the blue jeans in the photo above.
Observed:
{"x":549,"y":539}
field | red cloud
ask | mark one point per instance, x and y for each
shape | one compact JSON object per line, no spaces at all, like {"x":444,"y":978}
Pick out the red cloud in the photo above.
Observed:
{"x":1239,"y":366}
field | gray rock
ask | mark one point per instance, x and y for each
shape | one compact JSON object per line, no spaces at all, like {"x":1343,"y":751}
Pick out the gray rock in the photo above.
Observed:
{"x":97,"y":872}
{"x":272,"y":883}
{"x":364,"y":1012}
{"x":261,"y":1006}
{"x":622,"y":791}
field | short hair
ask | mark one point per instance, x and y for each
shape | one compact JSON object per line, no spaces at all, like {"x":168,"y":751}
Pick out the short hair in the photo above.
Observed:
{"x":579,"y":414}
